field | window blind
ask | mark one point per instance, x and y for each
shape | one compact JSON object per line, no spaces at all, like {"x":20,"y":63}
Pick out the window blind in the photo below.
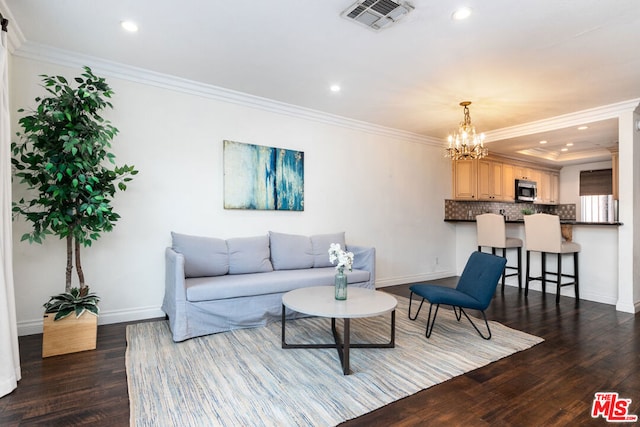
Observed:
{"x":596,"y":182}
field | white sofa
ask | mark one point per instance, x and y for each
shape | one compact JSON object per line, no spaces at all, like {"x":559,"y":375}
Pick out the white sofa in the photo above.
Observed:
{"x":214,"y":285}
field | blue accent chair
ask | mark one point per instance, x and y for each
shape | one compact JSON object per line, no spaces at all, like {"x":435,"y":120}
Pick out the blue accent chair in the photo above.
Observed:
{"x":474,"y":291}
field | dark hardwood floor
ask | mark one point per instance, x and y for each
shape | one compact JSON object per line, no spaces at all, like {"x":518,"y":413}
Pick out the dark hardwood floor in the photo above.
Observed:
{"x":588,"y":348}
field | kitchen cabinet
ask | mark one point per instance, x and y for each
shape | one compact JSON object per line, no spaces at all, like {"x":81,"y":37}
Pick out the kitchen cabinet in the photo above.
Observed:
{"x":465,"y":179}
{"x":490,"y":181}
{"x":555,"y":189}
{"x":548,"y":190}
{"x":508,"y":183}
{"x":493,"y":179}
{"x":530,"y":174}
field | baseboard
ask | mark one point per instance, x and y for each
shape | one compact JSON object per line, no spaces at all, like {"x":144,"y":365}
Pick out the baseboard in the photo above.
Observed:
{"x":30,"y":327}
{"x":402,"y":280}
{"x":569,"y":292}
{"x":628,"y":308}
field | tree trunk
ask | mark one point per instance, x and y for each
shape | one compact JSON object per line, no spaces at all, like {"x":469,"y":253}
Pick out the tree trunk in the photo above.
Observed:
{"x":79,"y":265}
{"x":67,"y":286}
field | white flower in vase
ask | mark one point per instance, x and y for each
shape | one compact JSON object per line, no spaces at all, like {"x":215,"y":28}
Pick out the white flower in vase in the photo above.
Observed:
{"x":343,"y":258}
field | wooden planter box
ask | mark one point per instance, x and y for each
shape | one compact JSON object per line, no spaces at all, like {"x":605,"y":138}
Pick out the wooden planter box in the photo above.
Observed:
{"x":69,"y":335}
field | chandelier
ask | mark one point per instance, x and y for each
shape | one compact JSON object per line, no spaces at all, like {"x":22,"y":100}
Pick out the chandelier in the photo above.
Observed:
{"x":465,"y":144}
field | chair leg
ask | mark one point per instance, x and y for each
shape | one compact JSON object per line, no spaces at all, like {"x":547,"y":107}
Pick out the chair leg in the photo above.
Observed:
{"x":457,"y":313}
{"x":519,"y":268}
{"x":575,"y":273}
{"x":528,"y":276}
{"x":417,"y":312}
{"x":484,"y":316}
{"x":544,"y":272}
{"x":504,"y":272}
{"x":430,"y":321}
{"x":559,"y":284}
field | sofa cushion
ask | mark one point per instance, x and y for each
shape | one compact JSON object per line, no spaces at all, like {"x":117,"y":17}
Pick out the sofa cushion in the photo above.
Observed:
{"x":249,"y":255}
{"x":203,"y":256}
{"x":279,"y":281}
{"x":290,"y":251}
{"x":320,"y":244}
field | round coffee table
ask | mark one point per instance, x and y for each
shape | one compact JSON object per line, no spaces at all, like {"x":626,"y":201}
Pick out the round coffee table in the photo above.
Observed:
{"x":320,"y":301}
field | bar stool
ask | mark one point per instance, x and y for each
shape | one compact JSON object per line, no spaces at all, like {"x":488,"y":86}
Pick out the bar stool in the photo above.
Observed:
{"x":492,"y":233}
{"x":542,"y":234}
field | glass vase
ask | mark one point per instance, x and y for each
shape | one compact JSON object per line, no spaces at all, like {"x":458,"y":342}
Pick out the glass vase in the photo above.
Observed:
{"x":341,"y":285}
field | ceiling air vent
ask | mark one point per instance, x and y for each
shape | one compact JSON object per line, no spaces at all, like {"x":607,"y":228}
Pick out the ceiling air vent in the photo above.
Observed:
{"x":376,"y":14}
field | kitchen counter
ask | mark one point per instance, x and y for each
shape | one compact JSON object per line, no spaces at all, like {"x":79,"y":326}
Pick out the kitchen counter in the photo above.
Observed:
{"x":599,"y":254}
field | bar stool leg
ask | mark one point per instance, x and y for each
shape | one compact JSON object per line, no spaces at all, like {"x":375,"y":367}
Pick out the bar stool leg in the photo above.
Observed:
{"x":519,"y":268}
{"x":526,"y":282}
{"x":544,"y":272}
{"x":504,"y":272}
{"x":575,"y":273}
{"x":559,"y":284}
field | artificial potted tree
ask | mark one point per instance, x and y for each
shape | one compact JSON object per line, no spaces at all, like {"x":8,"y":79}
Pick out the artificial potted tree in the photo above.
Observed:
{"x":63,"y":157}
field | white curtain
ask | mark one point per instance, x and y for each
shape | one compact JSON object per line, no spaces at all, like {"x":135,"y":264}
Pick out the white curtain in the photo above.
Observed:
{"x":9,"y":355}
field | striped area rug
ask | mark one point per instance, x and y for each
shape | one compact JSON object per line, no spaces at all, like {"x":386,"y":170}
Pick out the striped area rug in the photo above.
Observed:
{"x":245,"y":378}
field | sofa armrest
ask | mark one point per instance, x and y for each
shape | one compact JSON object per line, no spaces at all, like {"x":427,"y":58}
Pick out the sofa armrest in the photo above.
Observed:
{"x":364,"y":258}
{"x":175,"y":293}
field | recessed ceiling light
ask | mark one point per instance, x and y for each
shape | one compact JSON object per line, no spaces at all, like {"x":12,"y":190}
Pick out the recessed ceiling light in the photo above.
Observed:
{"x":543,"y":142}
{"x":569,"y":144}
{"x":335,"y":88}
{"x":583,"y":127}
{"x":461,"y":13}
{"x":130,"y":26}
{"x":564,"y":149}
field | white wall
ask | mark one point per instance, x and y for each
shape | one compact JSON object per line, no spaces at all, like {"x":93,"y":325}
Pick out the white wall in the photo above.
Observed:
{"x":384,"y":190}
{"x":570,"y":182}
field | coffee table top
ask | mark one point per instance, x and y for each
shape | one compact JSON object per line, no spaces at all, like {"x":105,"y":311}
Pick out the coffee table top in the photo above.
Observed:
{"x":321,"y":301}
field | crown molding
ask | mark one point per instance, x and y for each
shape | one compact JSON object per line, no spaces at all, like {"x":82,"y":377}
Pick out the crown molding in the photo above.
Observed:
{"x":567,"y":120}
{"x":40,"y":52}
{"x":15,"y":37}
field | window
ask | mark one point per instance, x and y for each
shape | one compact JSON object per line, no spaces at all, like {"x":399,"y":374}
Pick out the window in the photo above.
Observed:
{"x":596,"y":196}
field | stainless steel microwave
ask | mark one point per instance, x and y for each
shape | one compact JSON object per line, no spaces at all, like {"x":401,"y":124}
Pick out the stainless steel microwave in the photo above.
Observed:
{"x":526,"y":191}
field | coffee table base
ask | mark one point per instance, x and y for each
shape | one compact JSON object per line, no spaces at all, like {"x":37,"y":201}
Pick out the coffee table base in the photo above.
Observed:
{"x":342,"y":346}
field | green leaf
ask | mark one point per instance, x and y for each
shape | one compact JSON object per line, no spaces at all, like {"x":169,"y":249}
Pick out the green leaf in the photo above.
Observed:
{"x":63,"y":313}
{"x":64,"y":163}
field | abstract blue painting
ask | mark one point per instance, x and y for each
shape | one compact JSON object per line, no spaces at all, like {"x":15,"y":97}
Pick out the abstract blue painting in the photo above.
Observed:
{"x":266,"y":178}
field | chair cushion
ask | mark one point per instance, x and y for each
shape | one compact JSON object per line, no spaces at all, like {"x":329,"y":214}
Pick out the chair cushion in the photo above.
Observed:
{"x":320,"y":244}
{"x":436,"y":294}
{"x":569,"y":247}
{"x":249,"y":255}
{"x":290,"y":251}
{"x":203,"y":256}
{"x":513,"y":242}
{"x":480,"y":277}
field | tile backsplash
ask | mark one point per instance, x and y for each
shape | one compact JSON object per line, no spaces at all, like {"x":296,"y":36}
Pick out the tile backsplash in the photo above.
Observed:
{"x":460,"y":210}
